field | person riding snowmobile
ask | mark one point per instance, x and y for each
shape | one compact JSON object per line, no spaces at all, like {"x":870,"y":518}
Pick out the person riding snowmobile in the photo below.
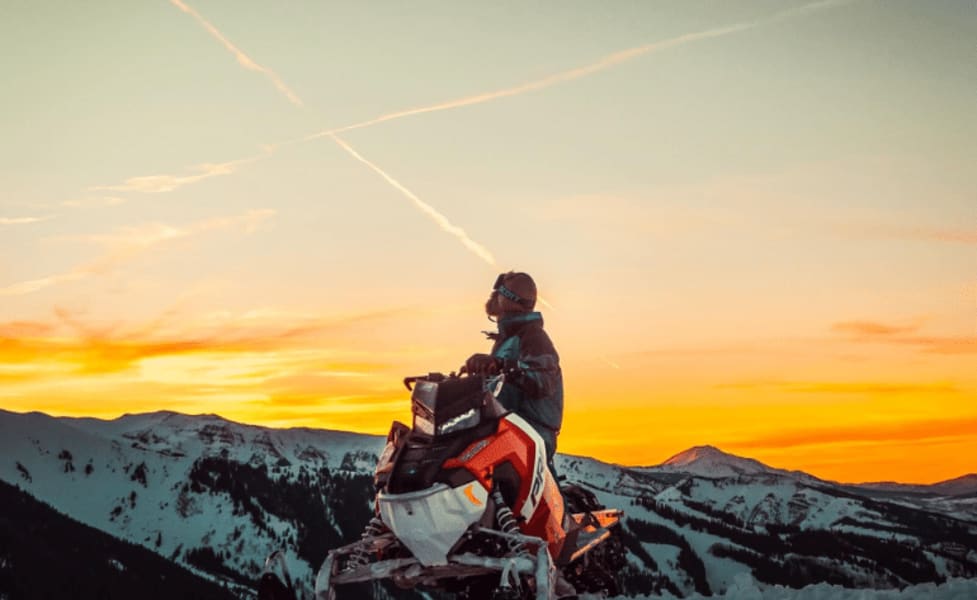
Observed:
{"x":534,"y":382}
{"x":464,"y":502}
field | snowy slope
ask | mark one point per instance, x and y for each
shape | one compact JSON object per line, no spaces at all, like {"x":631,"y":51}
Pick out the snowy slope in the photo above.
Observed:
{"x":746,"y":588}
{"x":129,"y":477}
{"x":959,"y":486}
{"x":737,"y":515}
{"x":217,"y":496}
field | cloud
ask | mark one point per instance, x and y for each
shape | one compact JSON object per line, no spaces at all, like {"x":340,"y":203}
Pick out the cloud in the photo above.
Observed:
{"x":243,"y":59}
{"x":958,"y":236}
{"x":902,"y":431}
{"x":23,"y":220}
{"x":916,"y":233}
{"x":32,"y":285}
{"x":151,"y":234}
{"x":129,"y":242}
{"x":844,"y":387}
{"x":871,"y":328}
{"x":443,"y":223}
{"x":734,"y":348}
{"x":282,"y":357}
{"x":905,"y":335}
{"x":156,"y":184}
{"x":25,"y":329}
{"x":94,"y":201}
{"x":942,"y":344}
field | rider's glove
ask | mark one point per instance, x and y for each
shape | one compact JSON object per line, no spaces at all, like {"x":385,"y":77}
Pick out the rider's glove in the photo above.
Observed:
{"x":483,"y":364}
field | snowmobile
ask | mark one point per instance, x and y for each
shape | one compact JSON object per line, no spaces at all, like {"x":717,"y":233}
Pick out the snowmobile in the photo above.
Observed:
{"x":467,"y":504}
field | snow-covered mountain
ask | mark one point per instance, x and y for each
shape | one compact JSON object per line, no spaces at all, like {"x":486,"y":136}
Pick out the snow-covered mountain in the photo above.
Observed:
{"x":217,"y":496}
{"x":959,"y":486}
{"x":711,"y":462}
{"x":211,"y":494}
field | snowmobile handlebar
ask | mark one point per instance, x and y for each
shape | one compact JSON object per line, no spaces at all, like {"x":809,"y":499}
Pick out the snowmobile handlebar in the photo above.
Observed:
{"x":409,"y":381}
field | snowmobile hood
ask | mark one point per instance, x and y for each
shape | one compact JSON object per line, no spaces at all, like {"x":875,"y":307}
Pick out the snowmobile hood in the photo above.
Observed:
{"x":431,"y":521}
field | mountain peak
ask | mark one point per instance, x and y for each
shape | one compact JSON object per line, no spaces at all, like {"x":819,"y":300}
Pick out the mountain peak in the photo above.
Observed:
{"x":710,"y":461}
{"x":697,"y":454}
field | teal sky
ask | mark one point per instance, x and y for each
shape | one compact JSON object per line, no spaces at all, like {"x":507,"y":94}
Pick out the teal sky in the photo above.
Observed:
{"x":752,"y":188}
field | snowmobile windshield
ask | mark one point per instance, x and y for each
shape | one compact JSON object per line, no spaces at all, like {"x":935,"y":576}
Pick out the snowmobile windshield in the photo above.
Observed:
{"x":448,"y":406}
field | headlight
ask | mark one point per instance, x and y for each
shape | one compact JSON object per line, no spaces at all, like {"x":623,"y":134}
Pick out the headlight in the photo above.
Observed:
{"x":423,"y":425}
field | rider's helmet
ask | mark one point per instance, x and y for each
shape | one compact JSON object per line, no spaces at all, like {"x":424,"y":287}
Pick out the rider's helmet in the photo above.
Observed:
{"x":518,"y":288}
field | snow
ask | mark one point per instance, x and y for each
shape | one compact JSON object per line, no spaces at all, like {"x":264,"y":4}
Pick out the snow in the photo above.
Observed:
{"x":709,"y":461}
{"x":87,"y":468}
{"x":745,"y":588}
{"x":90,"y":469}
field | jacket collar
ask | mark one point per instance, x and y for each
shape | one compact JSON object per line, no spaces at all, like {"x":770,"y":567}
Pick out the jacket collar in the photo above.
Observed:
{"x":510,"y":323}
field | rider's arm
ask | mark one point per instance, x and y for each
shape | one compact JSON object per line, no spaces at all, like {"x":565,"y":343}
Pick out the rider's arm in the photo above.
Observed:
{"x":537,"y":370}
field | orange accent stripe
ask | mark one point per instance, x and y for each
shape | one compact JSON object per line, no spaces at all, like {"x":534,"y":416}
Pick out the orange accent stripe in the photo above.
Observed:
{"x":471,"y":495}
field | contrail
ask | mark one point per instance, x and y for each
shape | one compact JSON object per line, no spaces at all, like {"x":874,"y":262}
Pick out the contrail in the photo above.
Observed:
{"x":442,"y":221}
{"x":243,"y":59}
{"x":156,"y":184}
{"x":602,"y":64}
{"x":576,"y":73}
{"x":140,"y":183}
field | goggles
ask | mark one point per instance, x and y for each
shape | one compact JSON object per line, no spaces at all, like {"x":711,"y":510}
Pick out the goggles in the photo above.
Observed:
{"x":507,"y":293}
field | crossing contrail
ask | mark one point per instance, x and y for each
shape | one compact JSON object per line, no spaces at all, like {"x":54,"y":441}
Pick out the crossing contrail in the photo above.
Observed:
{"x":441,"y":220}
{"x":243,"y":59}
{"x":564,"y":76}
{"x":602,"y":64}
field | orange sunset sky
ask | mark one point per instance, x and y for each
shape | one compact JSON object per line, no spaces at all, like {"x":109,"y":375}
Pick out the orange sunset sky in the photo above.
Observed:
{"x":754,"y":223}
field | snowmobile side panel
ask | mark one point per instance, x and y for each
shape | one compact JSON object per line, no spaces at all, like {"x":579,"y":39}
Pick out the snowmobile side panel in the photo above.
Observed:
{"x":539,"y":469}
{"x":547,"y":521}
{"x":535,"y":495}
{"x":430,"y":522}
{"x":543,"y":507}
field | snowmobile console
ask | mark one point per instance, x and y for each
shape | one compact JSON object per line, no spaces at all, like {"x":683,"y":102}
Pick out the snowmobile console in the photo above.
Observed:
{"x":446,"y":405}
{"x":448,"y":412}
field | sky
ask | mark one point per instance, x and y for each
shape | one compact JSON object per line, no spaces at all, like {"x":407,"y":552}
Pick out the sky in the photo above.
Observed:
{"x":754,"y":223}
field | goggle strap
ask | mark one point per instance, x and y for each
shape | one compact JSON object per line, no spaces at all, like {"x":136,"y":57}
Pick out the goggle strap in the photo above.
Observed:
{"x":501,"y":289}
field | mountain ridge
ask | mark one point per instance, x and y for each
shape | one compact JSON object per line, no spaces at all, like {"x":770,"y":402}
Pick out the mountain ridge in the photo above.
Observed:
{"x":694,"y":456}
{"x":216,"y":496}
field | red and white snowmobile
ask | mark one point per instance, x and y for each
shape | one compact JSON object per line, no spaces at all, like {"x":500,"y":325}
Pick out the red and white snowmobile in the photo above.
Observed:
{"x":467,"y":504}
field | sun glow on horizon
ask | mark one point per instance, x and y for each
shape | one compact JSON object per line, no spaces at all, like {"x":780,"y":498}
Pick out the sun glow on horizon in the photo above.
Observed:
{"x":843,"y":430}
{"x":739,"y":256}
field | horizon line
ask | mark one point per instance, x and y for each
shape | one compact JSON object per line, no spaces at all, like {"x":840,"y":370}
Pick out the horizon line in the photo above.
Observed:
{"x":380,"y":435}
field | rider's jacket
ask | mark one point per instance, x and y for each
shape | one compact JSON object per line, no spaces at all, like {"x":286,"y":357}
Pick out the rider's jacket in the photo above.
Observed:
{"x":535,"y":391}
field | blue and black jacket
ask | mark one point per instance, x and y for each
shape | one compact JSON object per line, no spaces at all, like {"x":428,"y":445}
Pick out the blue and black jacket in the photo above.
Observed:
{"x":535,"y":389}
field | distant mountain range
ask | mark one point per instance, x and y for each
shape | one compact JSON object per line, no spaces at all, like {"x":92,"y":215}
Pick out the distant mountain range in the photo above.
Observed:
{"x":214,"y":497}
